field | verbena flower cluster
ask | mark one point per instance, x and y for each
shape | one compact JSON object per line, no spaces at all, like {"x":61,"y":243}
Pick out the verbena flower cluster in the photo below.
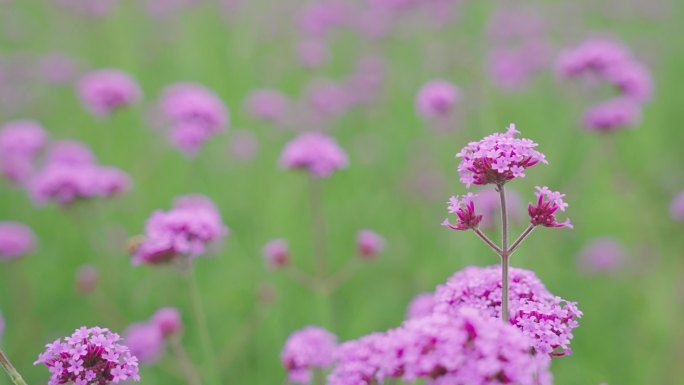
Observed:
{"x":314,"y":152}
{"x":437,"y":99}
{"x":467,"y":348}
{"x":464,"y":208}
{"x":498,"y":158}
{"x":603,"y":255}
{"x":104,"y":91}
{"x":71,"y":174}
{"x":614,"y":64}
{"x":547,"y":319}
{"x":16,"y":240}
{"x":184,"y":231}
{"x":369,"y":244}
{"x":307,"y":349}
{"x":146,"y":340}
{"x":90,"y":356}
{"x":21,"y":142}
{"x":548,"y":202}
{"x":192,"y":114}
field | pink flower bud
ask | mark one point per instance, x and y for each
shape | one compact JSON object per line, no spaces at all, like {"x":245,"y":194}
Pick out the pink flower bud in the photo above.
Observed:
{"x":87,"y":278}
{"x":168,"y":321}
{"x":369,"y":244}
{"x":277,"y":254}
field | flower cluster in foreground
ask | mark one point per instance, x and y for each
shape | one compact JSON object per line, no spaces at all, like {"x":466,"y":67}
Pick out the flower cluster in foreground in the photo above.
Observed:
{"x":547,"y":319}
{"x":90,"y":356}
{"x":307,"y":349}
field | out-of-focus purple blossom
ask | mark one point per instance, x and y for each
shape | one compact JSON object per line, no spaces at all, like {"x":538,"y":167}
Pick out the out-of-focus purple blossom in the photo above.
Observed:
{"x":184,"y":231}
{"x":20,"y":143}
{"x":193,"y":114}
{"x":70,"y":152}
{"x":677,"y":207}
{"x":58,"y":68}
{"x":145,"y":341}
{"x":597,"y":55}
{"x":87,"y":278}
{"x":548,"y":319}
{"x":244,"y":145}
{"x":104,"y":91}
{"x":513,"y":67}
{"x":498,"y":158}
{"x":317,"y":19}
{"x":421,"y":305}
{"x":166,"y":8}
{"x":369,"y":244}
{"x":366,"y":81}
{"x":632,"y":79}
{"x":466,"y":347}
{"x":464,"y":208}
{"x":612,"y":115}
{"x":90,"y":356}
{"x":168,"y":321}
{"x":268,"y":104}
{"x":313,"y":53}
{"x":358,"y":361}
{"x":277,"y":254}
{"x":602,"y":256}
{"x":307,"y":349}
{"x":315,"y":152}
{"x":328,"y":98}
{"x":16,"y":240}
{"x":374,"y":22}
{"x":488,"y":203}
{"x":437,"y":99}
{"x":548,"y":202}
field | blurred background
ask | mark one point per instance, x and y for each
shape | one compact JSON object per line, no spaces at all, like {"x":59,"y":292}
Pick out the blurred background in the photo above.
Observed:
{"x":352,"y":69}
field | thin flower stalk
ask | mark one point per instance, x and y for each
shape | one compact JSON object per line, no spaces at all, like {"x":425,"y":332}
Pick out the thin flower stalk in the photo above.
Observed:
{"x":10,"y":370}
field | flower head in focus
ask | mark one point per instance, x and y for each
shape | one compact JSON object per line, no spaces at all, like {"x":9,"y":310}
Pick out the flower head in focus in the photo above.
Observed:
{"x":89,"y":356}
{"x":465,"y":211}
{"x":548,"y":202}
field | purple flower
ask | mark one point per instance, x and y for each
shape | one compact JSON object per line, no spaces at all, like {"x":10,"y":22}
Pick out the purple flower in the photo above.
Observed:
{"x":306,"y":349}
{"x":58,"y":68}
{"x":313,"y":53}
{"x":466,"y":347}
{"x":317,"y":19}
{"x":104,"y":91}
{"x":315,"y":152}
{"x":437,"y":99}
{"x":16,"y":240}
{"x":465,"y":211}
{"x":269,"y":105}
{"x":328,"y":98}
{"x":421,"y":305}
{"x":193,"y":114}
{"x":369,"y":244}
{"x":602,"y":255}
{"x":184,"y":231}
{"x":612,"y":115}
{"x":145,"y":341}
{"x":168,"y":321}
{"x":70,"y":152}
{"x":497,"y":159}
{"x":87,"y":278}
{"x":548,"y":202}
{"x":20,"y":143}
{"x":358,"y":361}
{"x":90,"y":356}
{"x":677,"y":207}
{"x":593,"y":55}
{"x":547,"y":319}
{"x":632,"y":79}
{"x":277,"y":254}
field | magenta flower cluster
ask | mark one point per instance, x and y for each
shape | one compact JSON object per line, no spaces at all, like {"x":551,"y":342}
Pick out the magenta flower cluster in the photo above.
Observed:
{"x":548,"y":202}
{"x":369,"y":244}
{"x":547,"y":319}
{"x":16,"y":240}
{"x":614,"y":64}
{"x":192,"y":114}
{"x":146,"y":340}
{"x":71,"y":173}
{"x":104,"y":91}
{"x":464,"y":208}
{"x":184,"y":231}
{"x":498,"y":158}
{"x":21,"y":142}
{"x":90,"y":356}
{"x":315,"y":152}
{"x":466,"y":348}
{"x":307,"y":349}
{"x":437,"y":99}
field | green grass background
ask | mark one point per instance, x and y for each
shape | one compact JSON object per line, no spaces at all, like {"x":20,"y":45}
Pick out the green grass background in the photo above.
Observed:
{"x":620,"y":186}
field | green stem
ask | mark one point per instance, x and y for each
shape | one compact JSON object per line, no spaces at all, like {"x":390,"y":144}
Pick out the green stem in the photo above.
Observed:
{"x":504,"y":254}
{"x":10,"y":370}
{"x":203,"y":330}
{"x":318,"y":235}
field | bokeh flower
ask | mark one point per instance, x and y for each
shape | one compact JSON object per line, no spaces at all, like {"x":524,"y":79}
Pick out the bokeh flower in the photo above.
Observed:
{"x":315,"y":152}
{"x":677,"y":207}
{"x":277,"y":254}
{"x":89,"y":356}
{"x":70,"y":152}
{"x":305,"y":350}
{"x":602,"y":256}
{"x":20,"y":143}
{"x":369,"y":244}
{"x":437,"y":99}
{"x":313,"y":53}
{"x":87,"y":278}
{"x":421,"y":305}
{"x":612,"y":115}
{"x":548,"y":202}
{"x":104,"y":91}
{"x":16,"y":240}
{"x":268,"y":104}
{"x":547,"y":319}
{"x":498,"y":158}
{"x":145,"y":341}
{"x":168,"y":321}
{"x":184,"y":231}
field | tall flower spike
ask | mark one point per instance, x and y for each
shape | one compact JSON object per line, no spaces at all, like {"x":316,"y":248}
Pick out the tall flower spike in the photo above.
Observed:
{"x":548,"y":202}
{"x":498,"y":158}
{"x":465,"y":210}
